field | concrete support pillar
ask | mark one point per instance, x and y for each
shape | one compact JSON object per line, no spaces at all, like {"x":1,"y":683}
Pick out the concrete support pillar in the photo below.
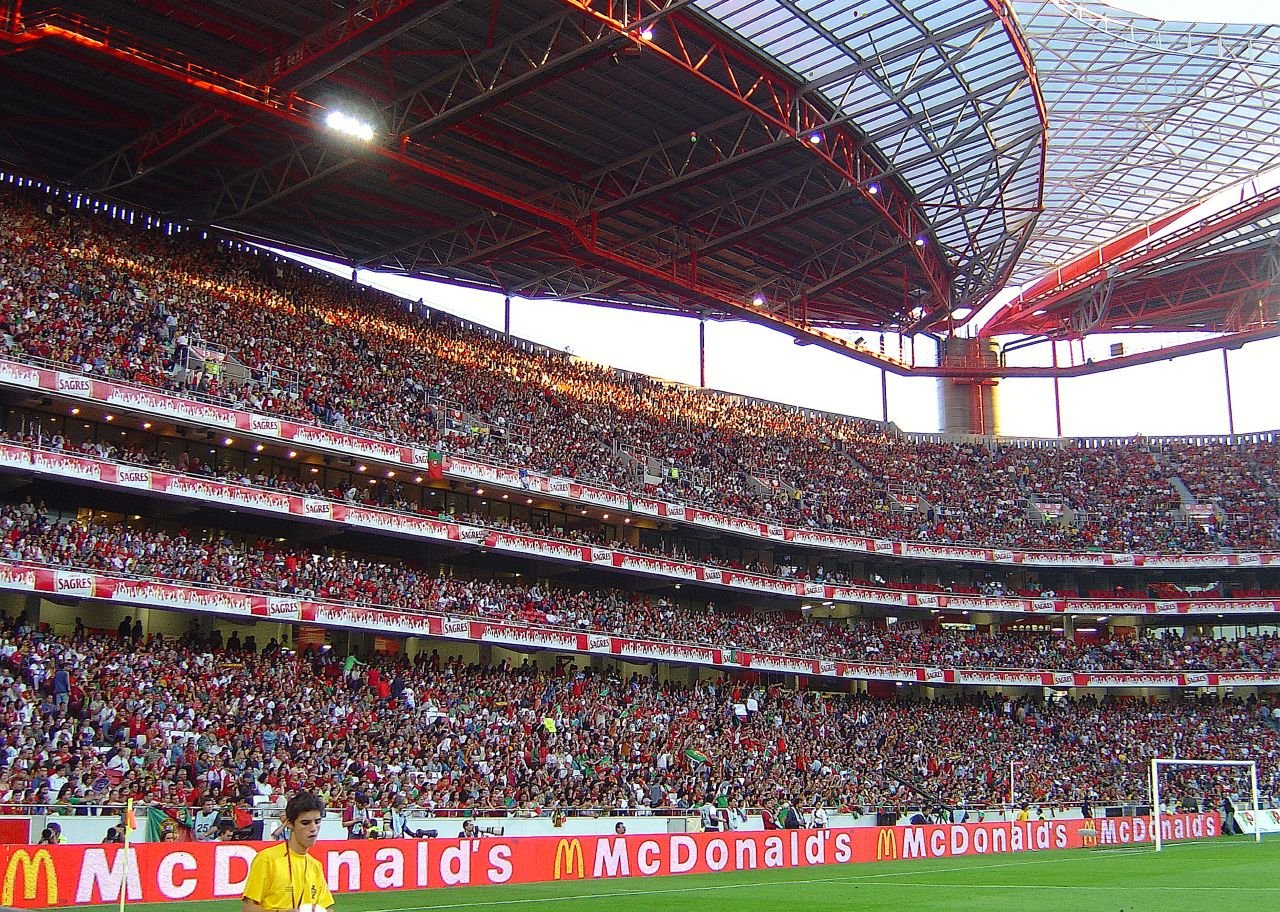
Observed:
{"x":969,"y":404}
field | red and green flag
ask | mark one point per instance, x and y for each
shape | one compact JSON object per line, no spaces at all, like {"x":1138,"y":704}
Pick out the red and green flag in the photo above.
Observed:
{"x":435,"y":465}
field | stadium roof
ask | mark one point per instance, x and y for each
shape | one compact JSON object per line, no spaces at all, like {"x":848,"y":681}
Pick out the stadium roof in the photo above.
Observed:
{"x":1150,"y":120}
{"x":882,"y":164}
{"x":1145,"y":117}
{"x":877,"y":164}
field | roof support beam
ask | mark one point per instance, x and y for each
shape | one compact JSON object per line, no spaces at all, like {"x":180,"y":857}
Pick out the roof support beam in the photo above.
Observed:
{"x":544,"y":52}
{"x":361,"y":30}
{"x":709,"y":56}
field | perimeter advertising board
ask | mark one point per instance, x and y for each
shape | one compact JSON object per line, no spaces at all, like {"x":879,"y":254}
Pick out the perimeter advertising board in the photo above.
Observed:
{"x":42,"y":877}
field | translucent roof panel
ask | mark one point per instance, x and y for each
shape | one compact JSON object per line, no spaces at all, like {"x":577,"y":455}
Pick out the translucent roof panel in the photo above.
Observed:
{"x":940,"y":89}
{"x":1145,"y":117}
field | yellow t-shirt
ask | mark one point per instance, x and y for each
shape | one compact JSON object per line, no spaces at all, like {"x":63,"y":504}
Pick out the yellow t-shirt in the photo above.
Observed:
{"x":280,"y":880}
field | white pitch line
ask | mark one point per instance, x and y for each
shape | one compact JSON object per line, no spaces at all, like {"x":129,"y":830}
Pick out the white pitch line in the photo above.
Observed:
{"x":1095,"y":887}
{"x":855,"y":880}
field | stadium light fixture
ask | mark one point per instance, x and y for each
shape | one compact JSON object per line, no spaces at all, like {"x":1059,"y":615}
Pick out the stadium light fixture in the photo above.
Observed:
{"x":758,"y":299}
{"x":344,"y":123}
{"x":920,"y":241}
{"x":814,"y":138}
{"x":647,"y":33}
{"x":873,"y":188}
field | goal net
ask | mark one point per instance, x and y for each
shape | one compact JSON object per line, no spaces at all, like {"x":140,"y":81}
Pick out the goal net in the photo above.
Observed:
{"x":1202,"y":785}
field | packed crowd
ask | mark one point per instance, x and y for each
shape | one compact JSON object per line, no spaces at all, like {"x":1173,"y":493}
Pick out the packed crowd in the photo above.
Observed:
{"x":31,"y":534}
{"x":97,"y":719}
{"x":393,"y":496}
{"x":184,"y":314}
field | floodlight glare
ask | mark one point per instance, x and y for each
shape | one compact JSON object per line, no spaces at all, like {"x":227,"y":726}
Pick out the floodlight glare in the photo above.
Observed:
{"x":347,"y":125}
{"x":815,"y":138}
{"x":758,"y":299}
{"x":920,"y":241}
{"x":873,"y":189}
{"x":647,"y":33}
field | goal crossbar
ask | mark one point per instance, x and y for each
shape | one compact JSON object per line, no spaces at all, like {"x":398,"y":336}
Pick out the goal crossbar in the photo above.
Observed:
{"x":1158,"y":762}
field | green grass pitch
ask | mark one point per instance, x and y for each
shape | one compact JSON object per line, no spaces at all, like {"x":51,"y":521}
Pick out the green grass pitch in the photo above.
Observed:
{"x":1226,"y":873}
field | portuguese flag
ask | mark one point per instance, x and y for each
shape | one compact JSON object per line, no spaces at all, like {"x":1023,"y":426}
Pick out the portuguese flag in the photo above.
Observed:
{"x":435,"y":465}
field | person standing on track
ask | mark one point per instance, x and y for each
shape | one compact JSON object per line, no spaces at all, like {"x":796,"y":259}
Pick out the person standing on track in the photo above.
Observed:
{"x":286,"y":878}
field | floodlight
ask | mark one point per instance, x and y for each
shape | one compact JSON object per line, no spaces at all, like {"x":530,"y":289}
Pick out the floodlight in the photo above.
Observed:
{"x":341,"y":122}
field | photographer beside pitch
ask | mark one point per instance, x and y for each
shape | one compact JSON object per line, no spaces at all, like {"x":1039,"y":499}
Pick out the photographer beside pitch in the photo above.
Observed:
{"x":286,"y":878}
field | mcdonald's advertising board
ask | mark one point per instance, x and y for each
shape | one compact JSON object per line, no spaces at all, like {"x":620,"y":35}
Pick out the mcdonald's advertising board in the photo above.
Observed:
{"x":41,"y":877}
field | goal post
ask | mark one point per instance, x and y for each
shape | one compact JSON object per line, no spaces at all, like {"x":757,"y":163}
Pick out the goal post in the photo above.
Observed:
{"x":1157,"y":763}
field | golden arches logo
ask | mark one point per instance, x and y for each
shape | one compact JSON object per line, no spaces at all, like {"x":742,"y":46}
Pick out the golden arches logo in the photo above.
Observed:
{"x":887,"y":844}
{"x":31,"y":866}
{"x":569,"y":859}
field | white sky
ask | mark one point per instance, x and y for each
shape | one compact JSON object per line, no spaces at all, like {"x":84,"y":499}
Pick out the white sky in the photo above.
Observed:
{"x":1249,"y":12}
{"x":1184,"y":396}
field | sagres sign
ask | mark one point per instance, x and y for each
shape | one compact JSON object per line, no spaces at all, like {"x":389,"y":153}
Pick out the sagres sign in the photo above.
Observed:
{"x":569,"y":859}
{"x":30,"y":868}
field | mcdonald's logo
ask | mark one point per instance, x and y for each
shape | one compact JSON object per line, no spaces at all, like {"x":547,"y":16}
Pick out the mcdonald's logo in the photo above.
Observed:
{"x":30,"y":867}
{"x":569,"y":859}
{"x":887,"y":844}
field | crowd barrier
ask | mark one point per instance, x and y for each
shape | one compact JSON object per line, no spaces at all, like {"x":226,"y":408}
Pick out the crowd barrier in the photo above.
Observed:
{"x":47,"y":876}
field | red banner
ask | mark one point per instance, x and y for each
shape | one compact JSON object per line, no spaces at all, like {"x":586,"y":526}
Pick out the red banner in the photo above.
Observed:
{"x":160,"y":872}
